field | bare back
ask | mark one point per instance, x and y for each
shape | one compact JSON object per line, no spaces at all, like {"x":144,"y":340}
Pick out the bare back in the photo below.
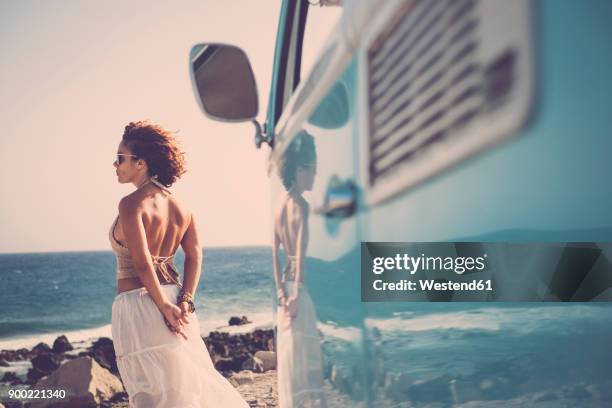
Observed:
{"x":165,"y":221}
{"x":290,"y":216}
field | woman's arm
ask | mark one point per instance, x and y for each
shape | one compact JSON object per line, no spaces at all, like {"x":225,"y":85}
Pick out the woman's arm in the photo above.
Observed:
{"x":193,"y":258}
{"x":300,"y":245}
{"x":280,"y":291}
{"x":300,"y":253}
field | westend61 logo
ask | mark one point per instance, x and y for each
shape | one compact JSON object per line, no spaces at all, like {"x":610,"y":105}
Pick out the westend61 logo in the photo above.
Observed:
{"x":413,"y":264}
{"x":485,"y":271}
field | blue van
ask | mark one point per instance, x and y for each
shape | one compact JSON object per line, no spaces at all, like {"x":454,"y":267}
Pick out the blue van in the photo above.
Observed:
{"x":435,"y":120}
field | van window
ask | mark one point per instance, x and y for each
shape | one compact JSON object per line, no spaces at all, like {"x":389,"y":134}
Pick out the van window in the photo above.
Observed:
{"x":320,"y":22}
{"x":303,"y":41}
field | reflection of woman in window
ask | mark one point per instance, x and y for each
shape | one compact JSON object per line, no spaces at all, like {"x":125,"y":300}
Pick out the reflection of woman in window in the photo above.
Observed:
{"x":300,"y":380}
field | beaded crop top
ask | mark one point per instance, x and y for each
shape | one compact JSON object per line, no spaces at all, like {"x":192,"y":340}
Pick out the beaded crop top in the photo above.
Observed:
{"x":125,"y":266}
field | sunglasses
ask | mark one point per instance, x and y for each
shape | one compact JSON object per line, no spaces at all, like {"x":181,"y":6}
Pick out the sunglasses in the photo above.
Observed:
{"x":120,"y":156}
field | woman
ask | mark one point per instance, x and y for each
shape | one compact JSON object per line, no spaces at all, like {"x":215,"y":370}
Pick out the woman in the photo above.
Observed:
{"x":300,"y":379}
{"x":161,"y":357}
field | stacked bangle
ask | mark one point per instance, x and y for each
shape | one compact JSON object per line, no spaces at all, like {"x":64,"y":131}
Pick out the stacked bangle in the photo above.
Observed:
{"x":186,"y":297}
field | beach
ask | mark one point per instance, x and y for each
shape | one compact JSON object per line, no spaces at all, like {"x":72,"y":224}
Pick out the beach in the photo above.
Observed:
{"x":247,"y":360}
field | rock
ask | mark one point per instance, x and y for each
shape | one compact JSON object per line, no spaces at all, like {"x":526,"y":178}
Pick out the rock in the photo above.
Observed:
{"x":226,"y":364}
{"x":217,"y":347}
{"x":15,"y":355}
{"x":120,"y":397}
{"x":3,"y":362}
{"x":41,"y":348}
{"x":45,"y":362}
{"x":270,"y":345}
{"x":13,"y":404}
{"x":42,"y":365}
{"x":252,"y":364}
{"x":240,"y":358}
{"x":103,"y":352}
{"x":12,"y":378}
{"x":261,"y":363}
{"x":102,"y":342}
{"x":238,"y":321}
{"x":61,"y":344}
{"x":267,"y":358}
{"x":34,"y":375}
{"x":87,"y":384}
{"x":233,"y":382}
{"x":119,"y":400}
{"x":243,"y":377}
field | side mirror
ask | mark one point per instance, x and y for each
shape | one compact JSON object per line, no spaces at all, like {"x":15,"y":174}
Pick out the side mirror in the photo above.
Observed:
{"x":223,"y":82}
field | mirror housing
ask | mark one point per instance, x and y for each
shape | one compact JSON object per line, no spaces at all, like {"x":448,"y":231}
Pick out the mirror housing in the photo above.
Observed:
{"x":223,"y":82}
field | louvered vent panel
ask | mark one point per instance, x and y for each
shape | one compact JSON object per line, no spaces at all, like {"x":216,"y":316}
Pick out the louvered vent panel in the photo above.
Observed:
{"x":425,"y":83}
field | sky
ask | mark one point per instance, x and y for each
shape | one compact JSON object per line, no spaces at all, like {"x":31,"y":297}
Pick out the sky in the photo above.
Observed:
{"x":74,"y":73}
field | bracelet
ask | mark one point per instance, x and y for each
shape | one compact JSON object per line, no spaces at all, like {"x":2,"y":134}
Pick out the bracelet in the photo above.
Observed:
{"x":186,"y":297}
{"x":183,"y":294}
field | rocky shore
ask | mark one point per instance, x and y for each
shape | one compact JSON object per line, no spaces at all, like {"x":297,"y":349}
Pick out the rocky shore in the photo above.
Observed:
{"x":90,"y":369}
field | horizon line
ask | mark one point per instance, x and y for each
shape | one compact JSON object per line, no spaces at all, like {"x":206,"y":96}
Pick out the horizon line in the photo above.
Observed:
{"x":110,"y":250}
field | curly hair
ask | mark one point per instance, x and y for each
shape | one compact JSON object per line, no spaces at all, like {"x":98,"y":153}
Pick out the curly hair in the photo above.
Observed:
{"x":301,"y":151}
{"x":158,"y":148}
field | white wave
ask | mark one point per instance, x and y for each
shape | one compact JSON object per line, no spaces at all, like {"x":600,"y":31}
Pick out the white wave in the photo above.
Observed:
{"x":20,"y":368}
{"x":75,"y":336}
{"x":330,"y":329}
{"x":443,"y":321}
{"x":85,"y":337}
{"x":521,"y":320}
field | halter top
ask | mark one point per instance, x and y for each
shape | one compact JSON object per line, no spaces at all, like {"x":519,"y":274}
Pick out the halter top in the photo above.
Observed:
{"x":125,"y":266}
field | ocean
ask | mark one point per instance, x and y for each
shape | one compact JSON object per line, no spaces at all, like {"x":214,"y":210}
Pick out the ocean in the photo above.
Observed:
{"x":44,"y":295}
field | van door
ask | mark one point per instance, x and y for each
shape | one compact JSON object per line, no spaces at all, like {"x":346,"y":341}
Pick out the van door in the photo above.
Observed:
{"x":312,"y":169}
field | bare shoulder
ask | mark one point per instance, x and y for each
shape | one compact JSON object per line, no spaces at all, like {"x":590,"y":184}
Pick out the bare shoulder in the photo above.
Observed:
{"x":180,"y":209}
{"x":302,"y":207}
{"x":130,"y":204}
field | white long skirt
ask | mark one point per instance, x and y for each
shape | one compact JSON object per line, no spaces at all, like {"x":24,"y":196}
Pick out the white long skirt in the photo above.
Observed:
{"x":299,"y":364}
{"x":160,"y":369}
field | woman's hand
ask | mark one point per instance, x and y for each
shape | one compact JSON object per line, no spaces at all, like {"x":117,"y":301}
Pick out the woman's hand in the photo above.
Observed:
{"x":184,"y":306}
{"x":175,"y":318}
